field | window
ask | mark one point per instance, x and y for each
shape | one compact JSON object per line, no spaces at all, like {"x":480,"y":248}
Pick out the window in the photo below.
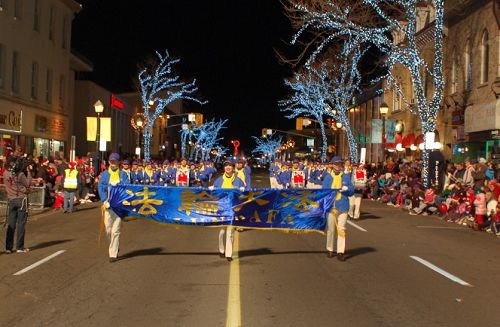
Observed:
{"x":64,"y":32}
{"x":2,"y":66}
{"x":36,"y":16}
{"x":62,"y":90}
{"x":453,"y":77}
{"x":48,"y":87}
{"x":51,"y":23}
{"x":485,"y":57}
{"x":3,"y":5}
{"x":468,"y":66}
{"x":34,"y":80}
{"x":17,"y":9}
{"x":397,"y":99}
{"x":15,"y":72}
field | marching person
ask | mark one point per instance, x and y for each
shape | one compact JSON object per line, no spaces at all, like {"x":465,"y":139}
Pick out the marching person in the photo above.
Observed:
{"x":227,"y":180}
{"x":243,"y":172}
{"x":71,"y":182}
{"x":110,"y":178}
{"x":359,"y":180}
{"x":274,"y":170}
{"x":336,"y":221}
{"x":181,"y":174}
{"x":17,"y":188}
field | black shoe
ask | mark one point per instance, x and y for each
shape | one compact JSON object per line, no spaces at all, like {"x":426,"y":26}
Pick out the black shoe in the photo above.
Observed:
{"x":111,"y":260}
{"x":341,"y":256}
{"x":229,"y":259}
{"x":221,"y":255}
{"x":330,"y":254}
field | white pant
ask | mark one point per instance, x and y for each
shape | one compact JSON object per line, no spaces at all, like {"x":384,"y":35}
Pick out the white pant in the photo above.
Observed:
{"x":333,"y":224}
{"x":226,"y":249}
{"x":274,"y":182}
{"x":355,"y":205}
{"x":112,"y":223}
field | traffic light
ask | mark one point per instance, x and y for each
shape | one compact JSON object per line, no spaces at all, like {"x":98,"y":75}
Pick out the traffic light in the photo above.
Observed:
{"x":299,"y":123}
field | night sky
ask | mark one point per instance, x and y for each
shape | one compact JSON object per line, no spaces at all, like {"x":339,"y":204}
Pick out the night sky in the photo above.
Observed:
{"x":228,"y":46}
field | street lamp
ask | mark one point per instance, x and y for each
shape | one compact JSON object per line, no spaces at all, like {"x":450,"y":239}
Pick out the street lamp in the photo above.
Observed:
{"x":383,"y":109}
{"x":338,"y":125}
{"x":138,"y":122}
{"x":99,"y":108}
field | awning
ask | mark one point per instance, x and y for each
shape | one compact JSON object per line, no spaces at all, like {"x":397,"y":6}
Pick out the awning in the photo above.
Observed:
{"x":408,"y":140}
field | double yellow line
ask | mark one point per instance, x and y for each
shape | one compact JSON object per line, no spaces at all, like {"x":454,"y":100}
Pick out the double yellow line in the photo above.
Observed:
{"x":233,"y":318}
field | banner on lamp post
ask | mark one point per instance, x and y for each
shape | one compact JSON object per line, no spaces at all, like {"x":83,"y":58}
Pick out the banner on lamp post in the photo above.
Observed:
{"x":390,"y":131}
{"x":362,"y":156}
{"x":376,"y":131}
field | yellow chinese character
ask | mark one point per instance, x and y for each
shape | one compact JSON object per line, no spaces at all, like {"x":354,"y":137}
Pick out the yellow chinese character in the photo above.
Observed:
{"x":201,"y":203}
{"x":249,"y":198}
{"x":300,"y":202}
{"x":147,"y":207}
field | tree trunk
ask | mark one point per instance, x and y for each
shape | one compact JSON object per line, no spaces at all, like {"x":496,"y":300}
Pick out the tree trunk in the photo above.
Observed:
{"x":147,"y":142}
{"x":353,"y":144}
{"x":323,"y":140}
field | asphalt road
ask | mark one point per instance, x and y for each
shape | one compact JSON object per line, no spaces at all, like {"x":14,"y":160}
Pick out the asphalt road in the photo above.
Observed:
{"x":174,"y":277}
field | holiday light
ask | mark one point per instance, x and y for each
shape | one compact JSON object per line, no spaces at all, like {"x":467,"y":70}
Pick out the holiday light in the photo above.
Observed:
{"x":333,"y":23}
{"x":267,"y":146}
{"x":160,"y":87}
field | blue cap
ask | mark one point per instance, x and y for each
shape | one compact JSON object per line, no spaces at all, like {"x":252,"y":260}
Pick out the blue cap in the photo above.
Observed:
{"x":166,"y":162}
{"x":134,"y":162}
{"x":126,"y":162}
{"x":336,"y":160}
{"x":114,"y":157}
{"x":228,"y":163}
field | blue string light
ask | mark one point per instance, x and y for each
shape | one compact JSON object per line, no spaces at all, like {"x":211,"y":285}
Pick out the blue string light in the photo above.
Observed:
{"x":160,"y":86}
{"x":267,"y":147}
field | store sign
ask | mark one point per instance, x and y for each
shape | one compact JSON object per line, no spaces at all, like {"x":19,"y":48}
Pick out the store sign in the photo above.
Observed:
{"x":10,"y":120}
{"x":457,"y":117}
{"x":117,"y":103}
{"x":482,"y":117}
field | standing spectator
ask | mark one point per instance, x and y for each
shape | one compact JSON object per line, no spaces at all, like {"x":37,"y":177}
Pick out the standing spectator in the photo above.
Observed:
{"x":359,"y":179}
{"x":467,"y":177}
{"x":17,"y":189}
{"x":480,"y":212}
{"x":70,"y":184}
{"x":479,"y":173}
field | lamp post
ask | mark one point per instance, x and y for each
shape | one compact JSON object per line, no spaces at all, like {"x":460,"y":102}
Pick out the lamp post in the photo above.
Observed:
{"x":383,"y":109}
{"x":138,"y":122}
{"x":99,"y":108}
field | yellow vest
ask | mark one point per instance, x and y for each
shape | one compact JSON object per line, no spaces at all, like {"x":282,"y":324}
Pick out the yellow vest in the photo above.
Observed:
{"x":241,"y":174}
{"x":227,"y":182}
{"x":70,"y":179}
{"x":336,"y":183}
{"x":114,"y":176}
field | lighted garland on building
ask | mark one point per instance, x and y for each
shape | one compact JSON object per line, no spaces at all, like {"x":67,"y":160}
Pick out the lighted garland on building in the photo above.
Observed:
{"x":334,"y":23}
{"x":160,"y":86}
{"x":309,"y":92}
{"x":267,"y":147}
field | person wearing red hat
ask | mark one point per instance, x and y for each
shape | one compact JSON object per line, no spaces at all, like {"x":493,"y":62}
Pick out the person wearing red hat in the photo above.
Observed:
{"x":70,"y":182}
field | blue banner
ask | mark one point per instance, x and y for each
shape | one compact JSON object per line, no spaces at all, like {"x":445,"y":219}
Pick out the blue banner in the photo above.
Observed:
{"x":390,"y":131}
{"x":376,"y":131}
{"x":296,"y":209}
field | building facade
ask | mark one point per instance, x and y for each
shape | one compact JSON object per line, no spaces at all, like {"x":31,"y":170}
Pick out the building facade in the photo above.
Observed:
{"x":37,"y":75}
{"x":87,"y":93}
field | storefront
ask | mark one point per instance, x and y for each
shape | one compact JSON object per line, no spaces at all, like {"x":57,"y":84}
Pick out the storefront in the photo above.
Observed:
{"x":37,"y":132}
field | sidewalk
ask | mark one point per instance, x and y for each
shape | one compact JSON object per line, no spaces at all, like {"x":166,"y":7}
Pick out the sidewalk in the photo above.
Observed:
{"x":48,"y":210}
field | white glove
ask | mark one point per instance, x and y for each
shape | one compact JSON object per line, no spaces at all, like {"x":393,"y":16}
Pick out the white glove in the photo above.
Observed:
{"x":211,"y":188}
{"x":106,"y":204}
{"x":242,"y":189}
{"x":344,"y":188}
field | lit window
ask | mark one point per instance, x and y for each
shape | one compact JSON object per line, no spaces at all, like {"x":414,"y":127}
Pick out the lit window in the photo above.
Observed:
{"x":485,"y":57}
{"x":468,"y":66}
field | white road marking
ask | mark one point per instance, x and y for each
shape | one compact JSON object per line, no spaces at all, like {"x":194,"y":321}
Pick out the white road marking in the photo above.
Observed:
{"x":356,"y":226}
{"x":233,"y":318}
{"x":38,"y":263}
{"x":439,"y":227}
{"x":441,"y":271}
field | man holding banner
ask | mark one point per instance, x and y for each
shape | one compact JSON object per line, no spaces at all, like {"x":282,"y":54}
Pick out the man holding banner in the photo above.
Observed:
{"x":110,"y":178}
{"x":337,"y":218}
{"x":227,"y":180}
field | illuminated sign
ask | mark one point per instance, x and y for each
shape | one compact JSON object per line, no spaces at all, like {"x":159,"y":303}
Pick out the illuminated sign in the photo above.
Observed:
{"x":115,"y":102}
